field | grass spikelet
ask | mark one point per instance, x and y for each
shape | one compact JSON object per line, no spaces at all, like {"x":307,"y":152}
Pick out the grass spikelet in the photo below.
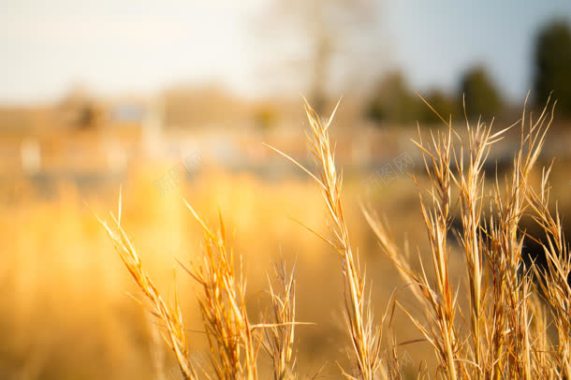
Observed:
{"x":364,"y":334}
{"x":169,"y":316}
{"x":233,"y":347}
{"x":279,"y":338}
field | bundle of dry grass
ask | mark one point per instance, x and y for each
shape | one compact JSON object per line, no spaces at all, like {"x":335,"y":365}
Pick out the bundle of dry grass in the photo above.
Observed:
{"x":280,"y":336}
{"x":517,"y":324}
{"x":233,"y":339}
{"x":508,"y":335}
{"x":365,"y":334}
{"x":222,"y":303}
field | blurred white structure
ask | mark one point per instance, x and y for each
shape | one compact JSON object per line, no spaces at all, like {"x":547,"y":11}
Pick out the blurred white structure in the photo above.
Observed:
{"x":30,"y":156}
{"x":152,"y":127}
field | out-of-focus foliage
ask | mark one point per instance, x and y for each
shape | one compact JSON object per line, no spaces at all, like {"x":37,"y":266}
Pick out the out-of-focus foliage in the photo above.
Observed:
{"x":339,"y":42}
{"x":266,"y":116}
{"x":440,"y":102}
{"x":81,"y":110}
{"x":482,"y":97}
{"x":393,"y":101}
{"x":553,"y":66}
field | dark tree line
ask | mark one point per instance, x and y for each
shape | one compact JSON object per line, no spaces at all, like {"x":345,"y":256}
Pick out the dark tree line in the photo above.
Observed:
{"x":553,"y":66}
{"x":477,"y":94}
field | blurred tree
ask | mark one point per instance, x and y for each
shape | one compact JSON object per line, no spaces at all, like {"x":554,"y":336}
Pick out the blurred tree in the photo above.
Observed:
{"x":393,"y":101}
{"x":338,"y":44}
{"x":553,"y":66}
{"x":81,"y":110}
{"x":442,"y":103}
{"x":482,"y":97}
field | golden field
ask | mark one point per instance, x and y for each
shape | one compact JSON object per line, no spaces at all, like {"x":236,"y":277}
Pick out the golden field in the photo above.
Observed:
{"x":67,"y":310}
{"x":70,"y":309}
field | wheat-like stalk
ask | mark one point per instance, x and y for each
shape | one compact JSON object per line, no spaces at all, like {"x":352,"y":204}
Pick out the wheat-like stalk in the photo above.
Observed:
{"x":555,"y":280}
{"x":506,"y":322}
{"x":518,"y":322}
{"x":364,"y":334}
{"x":169,"y":316}
{"x":470,"y":184}
{"x":438,"y":302}
{"x":510,"y":348}
{"x":280,"y":337}
{"x":233,"y":346}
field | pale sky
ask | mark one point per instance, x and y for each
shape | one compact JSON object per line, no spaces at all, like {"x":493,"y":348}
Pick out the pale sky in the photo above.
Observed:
{"x":114,"y":47}
{"x":437,"y":40}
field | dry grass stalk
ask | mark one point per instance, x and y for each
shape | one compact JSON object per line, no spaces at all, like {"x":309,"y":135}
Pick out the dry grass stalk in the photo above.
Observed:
{"x":233,"y":347}
{"x":437,"y":159}
{"x":156,"y":348}
{"x":507,"y":323}
{"x":509,"y":348}
{"x":438,"y":302}
{"x":470,"y":184}
{"x":555,"y":280}
{"x":171,"y":317}
{"x":365,"y":335}
{"x":543,"y":366}
{"x":280,"y":337}
{"x":510,"y":315}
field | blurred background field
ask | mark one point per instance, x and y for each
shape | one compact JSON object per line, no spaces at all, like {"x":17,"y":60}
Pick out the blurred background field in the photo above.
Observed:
{"x":171,"y":101}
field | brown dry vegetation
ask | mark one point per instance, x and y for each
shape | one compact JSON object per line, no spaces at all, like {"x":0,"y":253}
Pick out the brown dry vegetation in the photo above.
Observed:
{"x":470,"y":309}
{"x":63,"y":286}
{"x":511,"y":304}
